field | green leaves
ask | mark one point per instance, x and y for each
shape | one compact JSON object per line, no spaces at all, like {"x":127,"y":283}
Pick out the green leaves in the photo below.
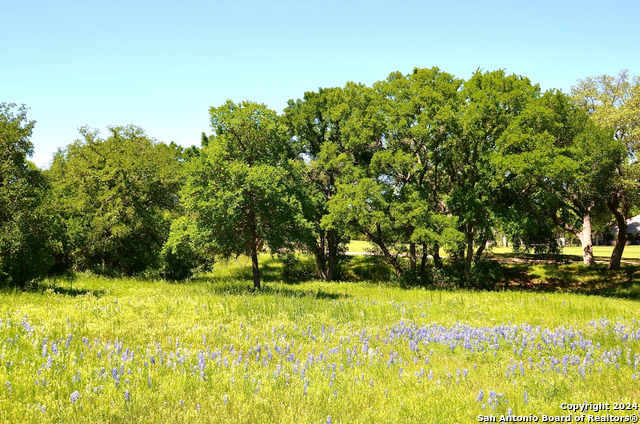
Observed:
{"x":242,"y":192}
{"x":117,"y":196}
{"x":28,"y":226}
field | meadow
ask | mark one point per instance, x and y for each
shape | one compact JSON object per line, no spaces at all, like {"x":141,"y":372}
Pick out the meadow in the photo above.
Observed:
{"x":93,"y":349}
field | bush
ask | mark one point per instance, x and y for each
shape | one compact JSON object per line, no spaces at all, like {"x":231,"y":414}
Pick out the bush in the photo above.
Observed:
{"x":486,"y":274}
{"x":295,"y":268}
{"x":180,"y":258}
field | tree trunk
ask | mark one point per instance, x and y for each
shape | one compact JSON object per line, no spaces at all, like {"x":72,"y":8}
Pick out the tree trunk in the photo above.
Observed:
{"x":423,"y":264}
{"x":481,"y":247}
{"x":332,"y":243}
{"x":437,"y":260}
{"x":412,"y":255}
{"x":585,"y":241}
{"x":469,"y":255}
{"x":393,"y":260}
{"x":253,"y":248}
{"x":320,"y":260}
{"x":618,"y":249}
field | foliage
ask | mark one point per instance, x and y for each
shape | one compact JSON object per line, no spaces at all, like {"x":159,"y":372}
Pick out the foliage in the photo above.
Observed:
{"x":422,"y":109}
{"x":422,"y":166}
{"x":613,"y":104}
{"x":29,"y":229}
{"x":314,"y":125}
{"x":118,"y":196}
{"x":180,"y":258}
{"x":492,"y":101}
{"x":395,"y":195}
{"x":562,"y":164}
{"x":296,"y":267}
{"x":241,"y":192}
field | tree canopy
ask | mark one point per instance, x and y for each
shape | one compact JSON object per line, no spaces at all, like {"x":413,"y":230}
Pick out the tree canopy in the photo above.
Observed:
{"x":117,"y":197}
{"x":28,"y":228}
{"x":420,"y":165}
{"x":240,"y":193}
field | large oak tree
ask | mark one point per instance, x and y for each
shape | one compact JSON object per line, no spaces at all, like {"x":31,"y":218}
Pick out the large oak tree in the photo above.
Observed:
{"x":613,"y":103}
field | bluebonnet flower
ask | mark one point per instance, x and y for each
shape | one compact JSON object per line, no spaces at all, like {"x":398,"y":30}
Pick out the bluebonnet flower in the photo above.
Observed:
{"x":480,"y":396}
{"x":26,"y":325}
{"x":127,"y":396}
{"x":74,"y":396}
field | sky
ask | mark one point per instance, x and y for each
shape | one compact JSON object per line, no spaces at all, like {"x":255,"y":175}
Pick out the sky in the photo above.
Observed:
{"x":161,"y":65}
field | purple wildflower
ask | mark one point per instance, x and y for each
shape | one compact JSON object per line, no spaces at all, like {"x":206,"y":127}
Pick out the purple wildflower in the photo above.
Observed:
{"x":26,"y":325}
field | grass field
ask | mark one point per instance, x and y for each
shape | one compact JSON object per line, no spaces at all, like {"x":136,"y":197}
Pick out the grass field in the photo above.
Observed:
{"x":212,"y":350}
{"x":631,"y":252}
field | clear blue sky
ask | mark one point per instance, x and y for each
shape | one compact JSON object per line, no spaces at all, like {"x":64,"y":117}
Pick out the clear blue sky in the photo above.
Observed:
{"x":162,"y":64}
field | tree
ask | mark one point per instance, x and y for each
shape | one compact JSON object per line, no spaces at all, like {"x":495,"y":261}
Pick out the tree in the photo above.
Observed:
{"x":491,"y":101}
{"x":28,"y":226}
{"x":365,"y":203}
{"x":241,"y":192}
{"x":422,"y":109}
{"x":314,"y":124}
{"x":561,"y":161}
{"x":118,"y":196}
{"x":614,"y":104}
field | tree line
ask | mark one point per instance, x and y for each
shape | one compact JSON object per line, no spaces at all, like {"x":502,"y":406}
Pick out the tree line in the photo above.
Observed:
{"x":418,"y":164}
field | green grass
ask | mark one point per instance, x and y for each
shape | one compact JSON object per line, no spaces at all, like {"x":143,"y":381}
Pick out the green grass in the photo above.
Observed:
{"x":603,"y":253}
{"x":400,"y":355}
{"x":359,"y":246}
{"x":631,"y":252}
